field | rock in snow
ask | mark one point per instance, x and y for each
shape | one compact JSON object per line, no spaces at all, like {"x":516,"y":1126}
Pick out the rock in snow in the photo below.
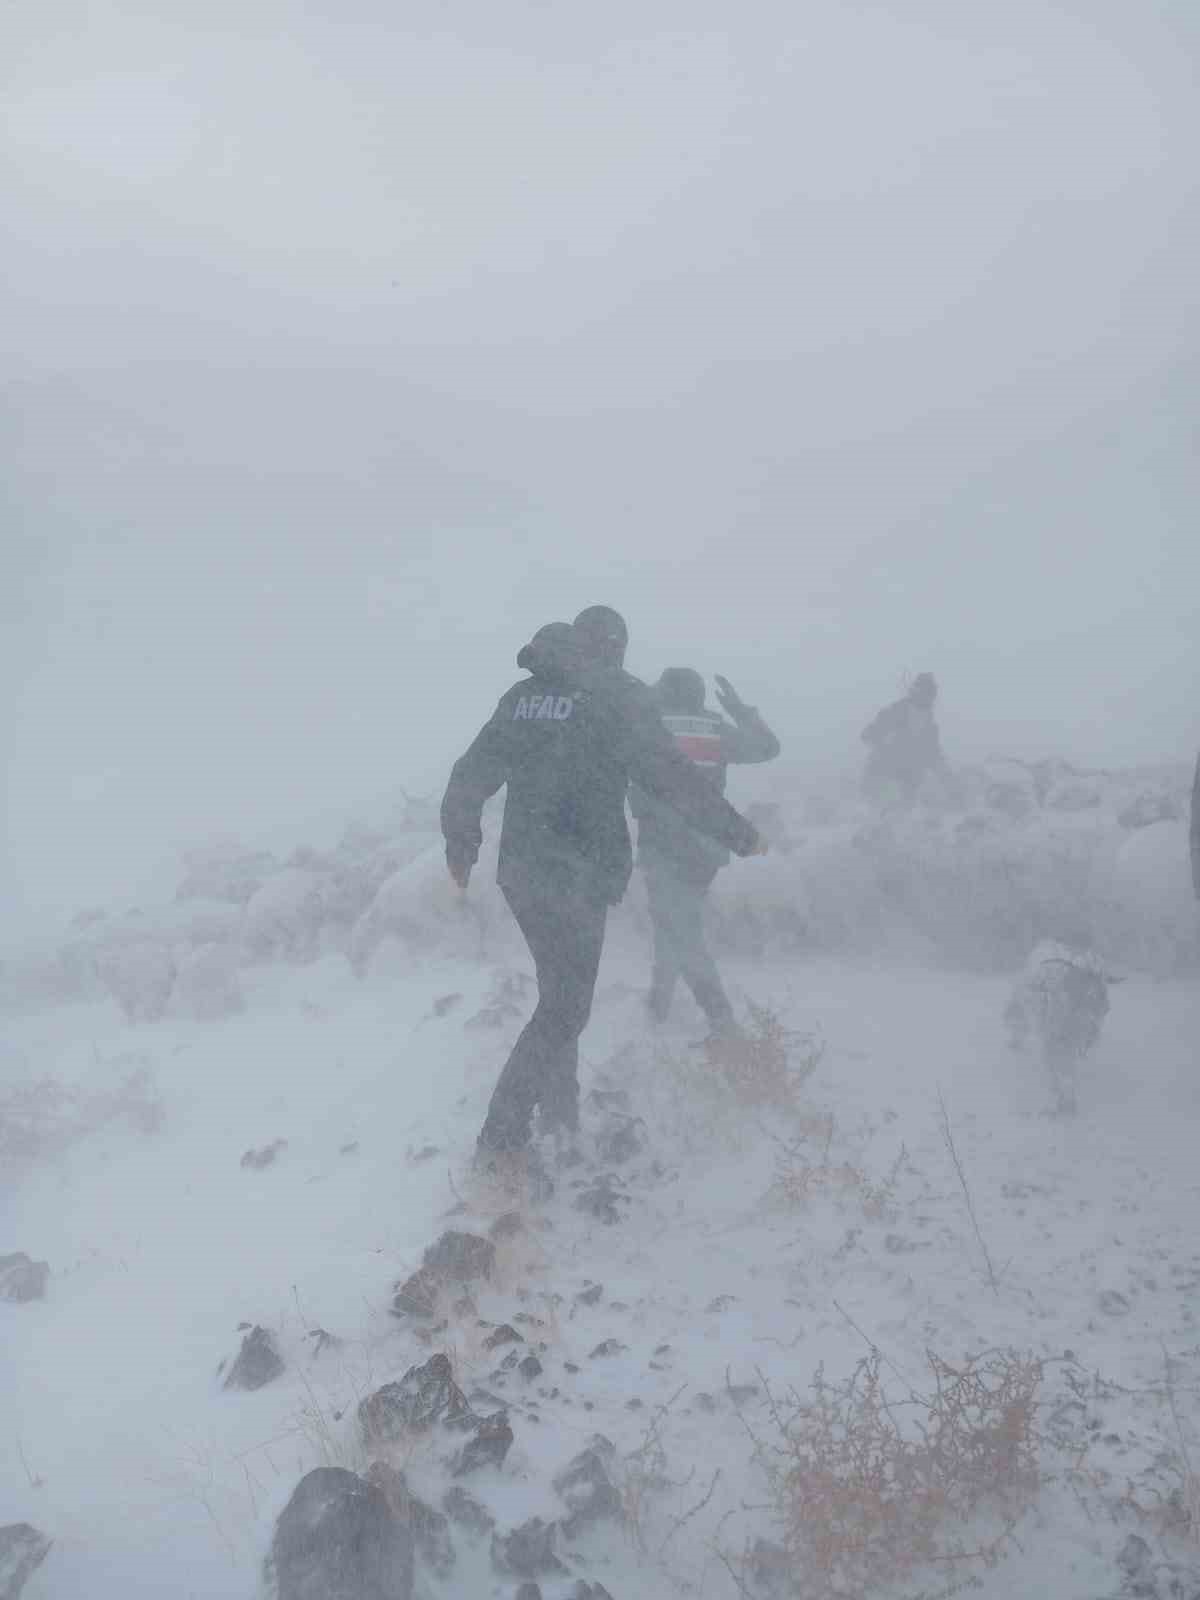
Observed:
{"x":488,"y":1445}
{"x":455,"y":1258}
{"x":257,"y":1363}
{"x":430,"y":1530}
{"x":22,"y":1551}
{"x":339,"y":1539}
{"x":528,"y":1551}
{"x":586,"y":1488}
{"x":423,"y":1396}
{"x":466,"y":1512}
{"x":460,"y":1257}
{"x":21,"y":1278}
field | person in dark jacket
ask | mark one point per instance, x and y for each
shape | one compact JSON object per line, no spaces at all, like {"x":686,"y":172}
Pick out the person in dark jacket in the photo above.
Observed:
{"x":566,"y":741}
{"x":904,"y":745}
{"x":678,"y":862}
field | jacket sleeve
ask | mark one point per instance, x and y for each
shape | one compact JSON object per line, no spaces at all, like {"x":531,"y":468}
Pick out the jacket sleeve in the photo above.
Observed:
{"x":882,"y":727}
{"x":474,"y":779}
{"x":668,"y":775}
{"x":747,"y":741}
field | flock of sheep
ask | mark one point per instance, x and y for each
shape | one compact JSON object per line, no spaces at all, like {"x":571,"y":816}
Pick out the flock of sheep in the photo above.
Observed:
{"x":1022,"y":844}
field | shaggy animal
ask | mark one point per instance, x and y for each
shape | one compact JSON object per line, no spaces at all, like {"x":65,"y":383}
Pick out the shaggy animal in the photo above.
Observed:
{"x":1059,"y":1004}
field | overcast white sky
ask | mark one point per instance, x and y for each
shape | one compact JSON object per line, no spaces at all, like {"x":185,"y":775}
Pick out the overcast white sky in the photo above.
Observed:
{"x":345,"y":344}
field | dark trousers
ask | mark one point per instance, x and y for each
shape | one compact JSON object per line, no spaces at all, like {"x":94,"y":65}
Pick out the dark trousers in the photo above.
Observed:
{"x":565,"y":935}
{"x":680,"y":949}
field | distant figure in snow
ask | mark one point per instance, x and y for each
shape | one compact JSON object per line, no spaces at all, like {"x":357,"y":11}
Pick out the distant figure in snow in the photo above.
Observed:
{"x":1195,"y":830}
{"x":567,"y":740}
{"x":904,"y":746}
{"x":1059,"y":1003}
{"x":678,"y":862}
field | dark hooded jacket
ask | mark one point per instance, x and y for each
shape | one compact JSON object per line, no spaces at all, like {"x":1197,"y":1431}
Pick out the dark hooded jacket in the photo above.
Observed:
{"x":904,"y":743}
{"x":566,"y":741}
{"x":712,"y":744}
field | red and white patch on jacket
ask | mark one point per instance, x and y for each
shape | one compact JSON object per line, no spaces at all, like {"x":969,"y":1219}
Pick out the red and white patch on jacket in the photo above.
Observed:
{"x":699,"y":738}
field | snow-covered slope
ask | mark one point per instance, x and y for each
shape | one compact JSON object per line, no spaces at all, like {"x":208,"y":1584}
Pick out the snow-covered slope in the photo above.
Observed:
{"x":905,"y":1193}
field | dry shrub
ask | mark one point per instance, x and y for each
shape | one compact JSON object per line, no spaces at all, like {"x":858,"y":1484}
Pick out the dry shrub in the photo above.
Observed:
{"x":1165,"y":1493}
{"x":1186,"y":1500}
{"x":803,"y":1174}
{"x":703,"y":1092}
{"x":864,"y":1502}
{"x":642,"y":1478}
{"x":768,"y":1065}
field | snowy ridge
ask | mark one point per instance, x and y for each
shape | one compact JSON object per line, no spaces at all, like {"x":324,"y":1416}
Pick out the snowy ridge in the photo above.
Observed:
{"x":755,"y":1239}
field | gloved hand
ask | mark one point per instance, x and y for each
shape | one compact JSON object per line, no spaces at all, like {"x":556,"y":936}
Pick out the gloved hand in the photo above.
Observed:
{"x":459,"y":870}
{"x":730,"y":700}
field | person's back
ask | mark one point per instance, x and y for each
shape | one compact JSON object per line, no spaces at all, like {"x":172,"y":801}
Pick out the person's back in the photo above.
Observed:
{"x":679,"y":863}
{"x":712,"y":744}
{"x":903,"y":743}
{"x":566,"y":741}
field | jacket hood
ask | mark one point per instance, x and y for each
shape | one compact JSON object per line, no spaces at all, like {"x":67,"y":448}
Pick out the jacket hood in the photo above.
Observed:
{"x":552,"y":653}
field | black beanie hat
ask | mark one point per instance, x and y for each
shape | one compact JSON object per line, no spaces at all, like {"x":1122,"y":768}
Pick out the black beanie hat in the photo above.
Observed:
{"x":602,"y":634}
{"x":680,"y":689}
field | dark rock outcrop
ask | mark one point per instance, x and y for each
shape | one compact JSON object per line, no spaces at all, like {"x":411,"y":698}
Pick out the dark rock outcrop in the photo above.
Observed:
{"x":339,"y":1539}
{"x":586,"y":1488}
{"x":460,"y":1257}
{"x":22,"y":1279}
{"x":488,"y":1445}
{"x":504,"y":1334}
{"x":602,"y":1199}
{"x":528,"y":1551}
{"x":22,"y":1551}
{"x":430,"y":1529}
{"x":257,"y":1362}
{"x":418,"y":1295}
{"x":466,"y":1512}
{"x":423,"y":1396}
{"x":455,"y":1258}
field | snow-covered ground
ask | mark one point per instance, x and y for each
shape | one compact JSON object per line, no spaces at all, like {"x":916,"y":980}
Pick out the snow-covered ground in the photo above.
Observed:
{"x":752,"y":1245}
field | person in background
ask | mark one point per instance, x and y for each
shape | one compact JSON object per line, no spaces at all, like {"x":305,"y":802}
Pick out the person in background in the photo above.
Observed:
{"x":567,"y":740}
{"x":679,"y":862}
{"x":904,"y":746}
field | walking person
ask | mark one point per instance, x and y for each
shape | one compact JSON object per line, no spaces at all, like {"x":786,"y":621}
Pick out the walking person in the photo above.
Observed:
{"x":566,"y":741}
{"x":679,"y":862}
{"x":904,"y":746}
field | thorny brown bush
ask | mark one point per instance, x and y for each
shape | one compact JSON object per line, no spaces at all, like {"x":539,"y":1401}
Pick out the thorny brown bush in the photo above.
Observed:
{"x":701,"y":1095}
{"x":769,"y":1064}
{"x":804,"y":1174}
{"x":863,"y":1502}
